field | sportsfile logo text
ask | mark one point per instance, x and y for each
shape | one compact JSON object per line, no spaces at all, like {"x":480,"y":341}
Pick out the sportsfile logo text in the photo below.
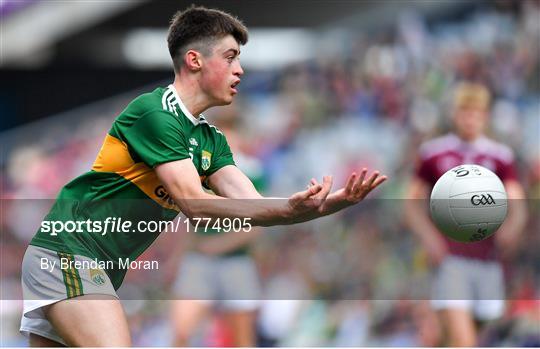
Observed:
{"x":119,"y":225}
{"x":109,"y":225}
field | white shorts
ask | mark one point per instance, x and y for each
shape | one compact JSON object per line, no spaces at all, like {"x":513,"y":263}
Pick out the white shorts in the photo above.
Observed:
{"x":43,"y":286}
{"x":230,"y":281}
{"x":472,"y":284}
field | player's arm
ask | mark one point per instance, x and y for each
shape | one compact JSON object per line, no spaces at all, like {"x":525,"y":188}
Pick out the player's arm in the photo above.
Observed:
{"x":418,"y":220}
{"x":181,"y":180}
{"x":231,"y":182}
{"x":507,"y":237}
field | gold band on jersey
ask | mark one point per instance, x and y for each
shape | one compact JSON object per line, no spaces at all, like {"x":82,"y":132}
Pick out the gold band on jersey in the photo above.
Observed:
{"x":114,"y":157}
{"x":72,"y":279}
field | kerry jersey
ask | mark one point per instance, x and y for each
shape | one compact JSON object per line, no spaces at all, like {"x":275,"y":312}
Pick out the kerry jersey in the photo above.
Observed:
{"x":441,"y":154}
{"x":154,"y":128}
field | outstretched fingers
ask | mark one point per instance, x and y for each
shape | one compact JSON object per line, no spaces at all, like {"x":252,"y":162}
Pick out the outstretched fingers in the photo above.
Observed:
{"x":359,"y":182}
{"x":371,"y":179}
{"x":378,"y":182}
{"x":357,"y":186}
{"x":371,"y":183}
{"x":350,"y":183}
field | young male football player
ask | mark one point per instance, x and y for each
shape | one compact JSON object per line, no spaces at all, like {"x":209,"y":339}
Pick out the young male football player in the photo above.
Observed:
{"x":154,"y":161}
{"x":468,"y":284}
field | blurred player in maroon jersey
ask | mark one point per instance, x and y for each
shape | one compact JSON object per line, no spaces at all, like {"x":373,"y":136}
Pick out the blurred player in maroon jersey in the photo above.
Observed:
{"x":468,"y":287}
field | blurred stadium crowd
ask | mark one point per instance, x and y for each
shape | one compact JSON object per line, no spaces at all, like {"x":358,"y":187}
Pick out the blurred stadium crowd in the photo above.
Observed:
{"x":355,"y":279}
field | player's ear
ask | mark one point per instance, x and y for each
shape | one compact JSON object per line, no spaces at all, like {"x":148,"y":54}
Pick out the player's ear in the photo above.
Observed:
{"x":192,"y":60}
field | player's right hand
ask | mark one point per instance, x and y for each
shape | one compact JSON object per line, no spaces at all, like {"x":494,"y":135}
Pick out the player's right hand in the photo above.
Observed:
{"x":310,"y":200}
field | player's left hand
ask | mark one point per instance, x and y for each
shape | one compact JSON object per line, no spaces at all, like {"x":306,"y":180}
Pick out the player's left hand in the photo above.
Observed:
{"x":356,"y":189}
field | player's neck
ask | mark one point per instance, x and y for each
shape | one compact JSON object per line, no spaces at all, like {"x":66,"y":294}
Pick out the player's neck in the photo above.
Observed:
{"x":189,"y":92}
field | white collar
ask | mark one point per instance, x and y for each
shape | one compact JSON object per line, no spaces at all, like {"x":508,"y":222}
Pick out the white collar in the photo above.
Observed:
{"x":184,"y":110}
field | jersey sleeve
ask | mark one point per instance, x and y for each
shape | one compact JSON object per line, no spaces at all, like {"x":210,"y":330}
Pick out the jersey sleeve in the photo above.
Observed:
{"x":156,"y":138}
{"x":223,"y":156}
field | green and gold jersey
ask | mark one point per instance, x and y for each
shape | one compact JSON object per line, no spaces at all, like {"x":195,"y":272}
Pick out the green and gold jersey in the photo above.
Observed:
{"x":154,"y":128}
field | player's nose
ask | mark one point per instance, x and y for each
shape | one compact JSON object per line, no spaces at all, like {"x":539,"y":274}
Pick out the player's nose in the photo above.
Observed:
{"x":238,"y":71}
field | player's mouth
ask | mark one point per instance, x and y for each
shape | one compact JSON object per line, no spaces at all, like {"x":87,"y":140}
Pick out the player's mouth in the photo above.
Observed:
{"x":233,"y":86}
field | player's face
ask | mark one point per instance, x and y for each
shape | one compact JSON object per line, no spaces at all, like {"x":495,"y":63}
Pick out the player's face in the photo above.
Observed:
{"x":470,"y":122}
{"x":222,"y":71}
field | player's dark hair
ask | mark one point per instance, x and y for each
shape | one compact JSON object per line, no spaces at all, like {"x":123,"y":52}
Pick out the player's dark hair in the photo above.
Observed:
{"x":198,"y":28}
